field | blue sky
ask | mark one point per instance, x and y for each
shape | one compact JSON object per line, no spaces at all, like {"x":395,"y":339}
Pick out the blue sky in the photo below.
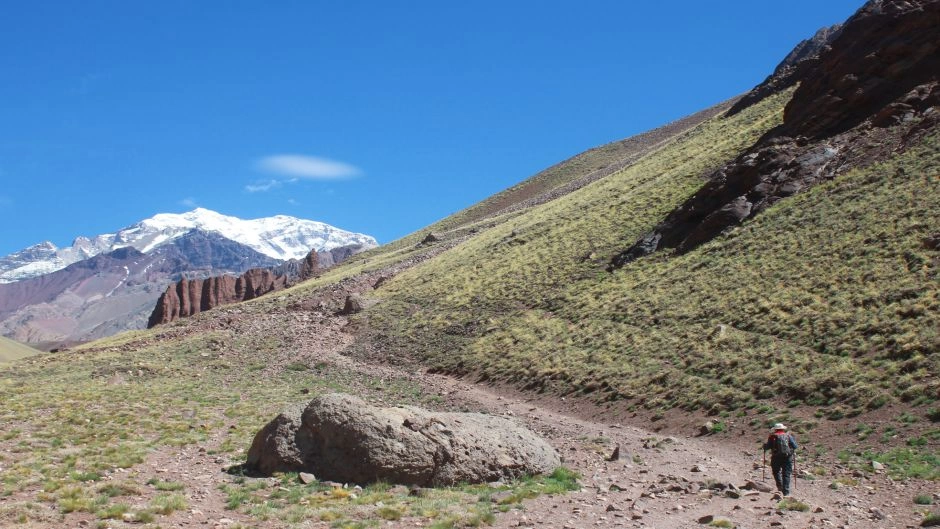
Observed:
{"x":379,"y":117}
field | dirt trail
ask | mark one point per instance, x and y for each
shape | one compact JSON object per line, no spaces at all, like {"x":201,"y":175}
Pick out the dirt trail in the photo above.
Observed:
{"x":657,"y":482}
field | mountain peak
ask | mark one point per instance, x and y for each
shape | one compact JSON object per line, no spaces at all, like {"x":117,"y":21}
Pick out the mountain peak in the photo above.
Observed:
{"x":280,"y":237}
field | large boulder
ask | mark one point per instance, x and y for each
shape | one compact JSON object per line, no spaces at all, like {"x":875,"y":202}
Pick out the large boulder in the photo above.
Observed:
{"x":339,"y":437}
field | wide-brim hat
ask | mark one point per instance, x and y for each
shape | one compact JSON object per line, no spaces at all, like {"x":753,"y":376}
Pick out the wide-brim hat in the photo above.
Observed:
{"x":779,"y":426}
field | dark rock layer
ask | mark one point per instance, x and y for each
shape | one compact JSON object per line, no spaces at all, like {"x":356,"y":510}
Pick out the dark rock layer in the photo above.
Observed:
{"x":871,"y":92}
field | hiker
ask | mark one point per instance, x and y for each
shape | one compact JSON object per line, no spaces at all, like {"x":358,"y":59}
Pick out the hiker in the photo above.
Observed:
{"x":782,"y":446}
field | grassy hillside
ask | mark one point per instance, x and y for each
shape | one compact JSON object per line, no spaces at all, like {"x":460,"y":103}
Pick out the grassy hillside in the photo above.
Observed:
{"x":823,"y":306}
{"x":11,"y":350}
{"x":828,"y":300}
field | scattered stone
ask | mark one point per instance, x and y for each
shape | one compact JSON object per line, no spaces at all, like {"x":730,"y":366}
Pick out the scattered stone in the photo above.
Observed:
{"x":707,"y":429}
{"x":501,"y":496}
{"x":706,"y":519}
{"x":758,"y":486}
{"x":877,"y":466}
{"x":306,"y":478}
{"x":932,"y":242}
{"x":877,"y":513}
{"x":353,"y":305}
{"x":615,"y":455}
{"x":697,"y":468}
{"x":398,"y":490}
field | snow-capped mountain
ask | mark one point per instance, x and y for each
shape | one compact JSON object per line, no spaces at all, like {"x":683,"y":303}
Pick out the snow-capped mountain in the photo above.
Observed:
{"x":280,"y":237}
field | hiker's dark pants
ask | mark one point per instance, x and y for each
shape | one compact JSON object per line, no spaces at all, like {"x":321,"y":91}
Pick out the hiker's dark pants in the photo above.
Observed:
{"x":783,"y":471}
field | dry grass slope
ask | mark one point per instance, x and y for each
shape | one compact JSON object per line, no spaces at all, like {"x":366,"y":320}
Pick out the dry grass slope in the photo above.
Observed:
{"x":11,"y":351}
{"x":828,"y":301}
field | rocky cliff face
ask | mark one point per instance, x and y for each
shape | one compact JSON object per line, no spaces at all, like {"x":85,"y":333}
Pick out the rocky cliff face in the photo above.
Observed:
{"x":115,"y":291}
{"x":872,"y":91}
{"x":188,"y":297}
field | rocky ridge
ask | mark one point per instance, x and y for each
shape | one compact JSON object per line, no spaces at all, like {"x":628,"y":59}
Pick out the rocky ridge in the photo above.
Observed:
{"x":869,"y":93}
{"x":188,"y":297}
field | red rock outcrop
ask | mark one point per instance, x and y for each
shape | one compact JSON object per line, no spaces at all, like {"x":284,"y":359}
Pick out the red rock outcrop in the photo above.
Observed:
{"x":192,"y":296}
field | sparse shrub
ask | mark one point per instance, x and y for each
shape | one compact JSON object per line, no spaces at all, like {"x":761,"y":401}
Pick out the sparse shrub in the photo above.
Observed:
{"x":113,"y":512}
{"x":862,"y":431}
{"x":923,"y":499}
{"x":722,"y":522}
{"x":166,"y":486}
{"x":389,"y":513}
{"x":790,"y":504}
{"x":85,"y":476}
{"x":167,"y":503}
{"x":931,"y":519}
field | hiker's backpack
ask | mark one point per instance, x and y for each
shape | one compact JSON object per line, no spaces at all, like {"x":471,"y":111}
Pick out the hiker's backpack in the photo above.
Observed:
{"x":781,"y":445}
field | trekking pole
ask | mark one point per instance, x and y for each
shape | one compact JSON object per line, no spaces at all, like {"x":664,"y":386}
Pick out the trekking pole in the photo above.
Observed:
{"x":763,"y":467}
{"x":793,"y":481}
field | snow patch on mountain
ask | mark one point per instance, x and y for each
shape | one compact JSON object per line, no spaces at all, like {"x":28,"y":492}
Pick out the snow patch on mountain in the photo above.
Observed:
{"x":280,"y":237}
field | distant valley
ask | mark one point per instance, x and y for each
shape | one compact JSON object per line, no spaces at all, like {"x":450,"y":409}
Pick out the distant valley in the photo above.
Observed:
{"x":110,"y":283}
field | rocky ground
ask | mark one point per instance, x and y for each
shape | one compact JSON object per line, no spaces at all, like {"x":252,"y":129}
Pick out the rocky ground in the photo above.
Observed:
{"x":658,"y":481}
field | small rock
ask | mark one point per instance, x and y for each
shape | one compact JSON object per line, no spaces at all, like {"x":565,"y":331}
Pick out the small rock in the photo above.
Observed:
{"x":707,"y":428}
{"x":611,"y":508}
{"x":877,"y":466}
{"x":306,"y":478}
{"x":615,"y":455}
{"x":697,"y":468}
{"x":758,"y":486}
{"x":877,"y":513}
{"x":500,"y":497}
{"x":706,"y":519}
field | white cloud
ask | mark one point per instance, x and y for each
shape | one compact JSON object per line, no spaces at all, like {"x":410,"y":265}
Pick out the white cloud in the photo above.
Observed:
{"x":264,"y":185}
{"x":189,"y":202}
{"x":307,"y":167}
{"x":292,"y":202}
